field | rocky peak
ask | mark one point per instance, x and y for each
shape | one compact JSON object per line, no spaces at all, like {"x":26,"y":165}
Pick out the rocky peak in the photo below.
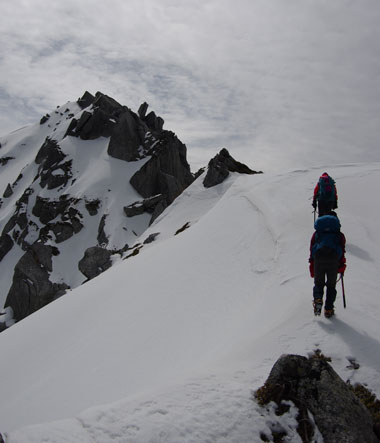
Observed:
{"x":51,"y":210}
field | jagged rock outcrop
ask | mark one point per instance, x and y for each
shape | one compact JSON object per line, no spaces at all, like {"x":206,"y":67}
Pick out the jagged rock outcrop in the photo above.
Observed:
{"x":47,"y":210}
{"x":69,"y":218}
{"x":31,"y":288}
{"x":53,"y":172}
{"x":313,"y":385}
{"x":95,"y":261}
{"x":127,"y":137}
{"x":100,"y":121}
{"x":8,"y":191}
{"x":146,"y":205}
{"x":93,"y":206}
{"x":102,"y":236}
{"x":220,"y":167}
{"x":166,"y":173}
{"x":86,"y":100}
{"x":17,"y":227}
{"x":44,"y":119}
{"x":6,"y":244}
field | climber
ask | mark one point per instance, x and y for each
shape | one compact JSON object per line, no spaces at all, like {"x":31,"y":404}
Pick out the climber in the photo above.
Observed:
{"x":327,"y":260}
{"x":325,"y":195}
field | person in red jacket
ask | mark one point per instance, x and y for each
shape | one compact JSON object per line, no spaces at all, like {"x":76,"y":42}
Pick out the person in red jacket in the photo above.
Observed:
{"x":327,"y":260}
{"x":325,"y":195}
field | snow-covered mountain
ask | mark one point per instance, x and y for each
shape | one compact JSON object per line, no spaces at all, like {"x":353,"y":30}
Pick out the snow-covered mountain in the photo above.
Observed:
{"x":167,"y":346}
{"x":79,"y":188}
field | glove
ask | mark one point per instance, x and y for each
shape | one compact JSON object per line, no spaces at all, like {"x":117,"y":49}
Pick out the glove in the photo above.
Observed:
{"x":314,"y":204}
{"x":311,"y":268}
{"x":335,"y":206}
{"x":342,"y":266}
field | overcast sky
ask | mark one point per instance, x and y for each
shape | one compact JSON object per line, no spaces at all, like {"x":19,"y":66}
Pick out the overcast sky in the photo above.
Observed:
{"x":280,"y":83}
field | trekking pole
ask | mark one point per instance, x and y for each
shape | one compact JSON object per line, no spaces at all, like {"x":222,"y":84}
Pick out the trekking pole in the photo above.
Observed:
{"x":344,"y":295}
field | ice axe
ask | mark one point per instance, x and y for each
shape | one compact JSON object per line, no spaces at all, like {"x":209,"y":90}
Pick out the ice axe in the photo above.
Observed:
{"x":344,"y":295}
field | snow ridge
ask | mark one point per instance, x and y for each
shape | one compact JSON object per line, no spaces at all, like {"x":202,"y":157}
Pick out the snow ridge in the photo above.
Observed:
{"x":171,"y":342}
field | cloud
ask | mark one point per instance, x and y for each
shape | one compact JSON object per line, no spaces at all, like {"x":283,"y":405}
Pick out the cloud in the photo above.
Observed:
{"x":276,"y":80}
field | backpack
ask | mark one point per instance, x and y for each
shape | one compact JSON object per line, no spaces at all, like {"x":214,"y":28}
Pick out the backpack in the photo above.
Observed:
{"x":326,"y":191}
{"x":327,"y":237}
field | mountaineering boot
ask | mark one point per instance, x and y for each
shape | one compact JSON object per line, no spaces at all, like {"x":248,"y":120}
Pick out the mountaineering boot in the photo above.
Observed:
{"x":317,"y":303}
{"x":329,"y":313}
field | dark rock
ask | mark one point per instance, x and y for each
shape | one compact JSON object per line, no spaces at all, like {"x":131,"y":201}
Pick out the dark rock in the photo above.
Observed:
{"x":92,"y":206}
{"x":127,"y":137}
{"x":69,"y":222}
{"x":102,"y":237}
{"x":5,"y":160}
{"x":99,"y":121}
{"x":17,"y":180}
{"x":6,"y":244}
{"x":142,"y":110}
{"x":71,"y":130}
{"x":312,"y":385}
{"x":31,"y":288}
{"x":57,"y":176}
{"x":95,"y":261}
{"x":167,"y":172}
{"x":49,"y":154}
{"x":8,"y":191}
{"x":63,"y":231}
{"x":52,"y":171}
{"x":107,"y":104}
{"x":17,"y":225}
{"x":44,"y":119}
{"x":86,"y":100}
{"x":158,"y":210}
{"x":199,"y":173}
{"x":134,"y":209}
{"x":93,"y":125}
{"x":151,"y":238}
{"x":146,"y":205}
{"x":183,"y":228}
{"x":47,"y":210}
{"x":154,"y":122}
{"x":220,"y":166}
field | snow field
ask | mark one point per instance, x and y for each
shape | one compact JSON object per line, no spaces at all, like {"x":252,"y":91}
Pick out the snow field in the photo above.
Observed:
{"x":172,"y":341}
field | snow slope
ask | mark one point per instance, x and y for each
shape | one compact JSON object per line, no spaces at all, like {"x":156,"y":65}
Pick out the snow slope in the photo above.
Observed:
{"x":167,"y":345}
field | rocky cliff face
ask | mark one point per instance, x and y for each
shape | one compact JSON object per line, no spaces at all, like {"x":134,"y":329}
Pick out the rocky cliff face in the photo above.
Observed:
{"x":78,"y":189}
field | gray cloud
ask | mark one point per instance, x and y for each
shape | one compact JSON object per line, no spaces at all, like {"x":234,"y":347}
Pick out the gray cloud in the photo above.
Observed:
{"x":279,"y":82}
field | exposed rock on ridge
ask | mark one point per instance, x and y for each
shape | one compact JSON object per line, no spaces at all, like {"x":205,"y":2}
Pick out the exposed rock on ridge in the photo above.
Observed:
{"x":220,"y":167}
{"x":313,"y":385}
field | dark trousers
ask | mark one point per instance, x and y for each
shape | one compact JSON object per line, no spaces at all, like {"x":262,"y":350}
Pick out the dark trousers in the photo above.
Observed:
{"x":324,"y":207}
{"x":325,"y":273}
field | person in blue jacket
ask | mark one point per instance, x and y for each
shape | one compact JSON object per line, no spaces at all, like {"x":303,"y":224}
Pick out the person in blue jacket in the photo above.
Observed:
{"x":327,"y":260}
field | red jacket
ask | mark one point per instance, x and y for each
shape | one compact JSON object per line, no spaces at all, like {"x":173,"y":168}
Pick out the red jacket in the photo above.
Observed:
{"x":316,"y":190}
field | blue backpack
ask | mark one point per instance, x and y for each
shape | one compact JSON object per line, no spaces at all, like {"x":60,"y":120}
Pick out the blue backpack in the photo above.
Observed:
{"x":326,"y":190}
{"x":327,"y":237}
